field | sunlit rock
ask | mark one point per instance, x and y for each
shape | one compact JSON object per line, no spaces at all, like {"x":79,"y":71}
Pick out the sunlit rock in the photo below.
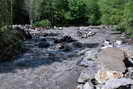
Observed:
{"x":116,"y":83}
{"x":112,"y":59}
{"x":104,"y":76}
{"x":88,"y":86}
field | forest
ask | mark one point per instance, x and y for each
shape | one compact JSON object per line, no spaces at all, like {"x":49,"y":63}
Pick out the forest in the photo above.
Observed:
{"x":68,"y":13}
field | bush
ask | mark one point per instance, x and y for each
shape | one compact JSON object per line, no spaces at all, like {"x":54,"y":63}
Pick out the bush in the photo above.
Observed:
{"x":42,"y":23}
{"x":11,"y":44}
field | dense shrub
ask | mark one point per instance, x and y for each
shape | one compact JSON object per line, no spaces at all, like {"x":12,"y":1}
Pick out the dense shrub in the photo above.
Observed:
{"x":11,"y":43}
{"x":42,"y":23}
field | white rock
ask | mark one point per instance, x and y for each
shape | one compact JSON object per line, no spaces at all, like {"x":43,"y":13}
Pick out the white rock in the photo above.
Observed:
{"x":107,"y":46}
{"x":116,"y":83}
{"x":118,"y":42}
{"x":87,"y":86}
{"x":55,"y":27}
{"x":80,"y":86}
{"x":60,"y":28}
{"x":82,"y":28}
{"x":106,"y":42}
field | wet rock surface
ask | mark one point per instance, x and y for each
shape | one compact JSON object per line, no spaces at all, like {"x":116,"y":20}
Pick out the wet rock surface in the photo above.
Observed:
{"x":62,"y":59}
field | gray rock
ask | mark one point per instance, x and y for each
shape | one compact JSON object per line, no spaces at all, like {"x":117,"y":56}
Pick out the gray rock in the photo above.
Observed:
{"x":77,"y":45}
{"x":98,"y":86}
{"x":83,"y":77}
{"x":112,"y":59}
{"x":128,"y":50}
{"x":91,"y":54}
{"x":131,"y":86}
{"x":88,"y":73}
{"x":43,"y":44}
{"x":130,"y":73}
{"x":66,"y":48}
{"x":116,"y":83}
{"x":86,"y":63}
{"x":65,"y":39}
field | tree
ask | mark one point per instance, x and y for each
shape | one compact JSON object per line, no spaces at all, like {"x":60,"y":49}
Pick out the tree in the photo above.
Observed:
{"x":21,"y":15}
{"x":92,"y":12}
{"x":29,"y":8}
{"x":128,"y":17}
{"x":6,"y":7}
{"x":35,"y":9}
{"x":48,"y":10}
{"x":112,"y":11}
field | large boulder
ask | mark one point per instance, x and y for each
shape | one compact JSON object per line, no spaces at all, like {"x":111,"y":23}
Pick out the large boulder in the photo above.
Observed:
{"x":112,"y":65}
{"x":112,"y":59}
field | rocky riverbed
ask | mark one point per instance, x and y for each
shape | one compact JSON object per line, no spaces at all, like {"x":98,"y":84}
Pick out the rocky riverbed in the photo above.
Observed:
{"x":93,"y":57}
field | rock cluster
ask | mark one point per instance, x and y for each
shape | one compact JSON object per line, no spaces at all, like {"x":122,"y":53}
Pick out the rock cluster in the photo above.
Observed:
{"x":85,"y":33}
{"x":107,"y":69}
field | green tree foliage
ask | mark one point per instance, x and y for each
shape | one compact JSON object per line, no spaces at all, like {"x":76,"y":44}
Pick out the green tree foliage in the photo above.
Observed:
{"x":52,"y":10}
{"x":75,"y":11}
{"x":92,"y":11}
{"x":36,"y":9}
{"x":5,"y":12}
{"x":32,"y":7}
{"x":112,"y":11}
{"x":70,"y":11}
{"x":128,"y":17}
